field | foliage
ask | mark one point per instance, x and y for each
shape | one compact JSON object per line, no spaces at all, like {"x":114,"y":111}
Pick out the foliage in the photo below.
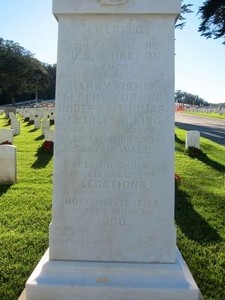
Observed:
{"x":187,"y":98}
{"x":21,"y":73}
{"x":185,"y":9}
{"x":50,"y":89}
{"x":213,"y":19}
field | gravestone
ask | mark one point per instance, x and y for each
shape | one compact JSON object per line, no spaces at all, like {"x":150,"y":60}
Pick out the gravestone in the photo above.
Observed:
{"x":37,"y":122}
{"x":7,"y":164}
{"x":6,"y":135}
{"x":49,"y":135}
{"x":31,"y":116}
{"x":15,"y":126}
{"x":12,"y":115}
{"x":9,"y":109}
{"x":45,"y":125}
{"x":112,"y":234}
{"x":192,"y":139}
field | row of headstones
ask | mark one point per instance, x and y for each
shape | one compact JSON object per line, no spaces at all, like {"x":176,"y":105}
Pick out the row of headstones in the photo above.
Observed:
{"x":8,"y":161}
{"x":219,"y":110}
{"x":15,"y":124}
{"x":40,"y":117}
{"x":8,"y":164}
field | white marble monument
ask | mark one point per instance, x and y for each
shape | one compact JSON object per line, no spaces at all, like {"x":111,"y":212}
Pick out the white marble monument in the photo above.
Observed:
{"x":112,"y":235}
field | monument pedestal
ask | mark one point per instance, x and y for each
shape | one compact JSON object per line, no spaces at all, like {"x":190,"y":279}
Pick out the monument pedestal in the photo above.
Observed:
{"x":71,"y":280}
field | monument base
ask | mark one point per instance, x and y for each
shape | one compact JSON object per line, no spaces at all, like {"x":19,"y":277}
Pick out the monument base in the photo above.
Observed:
{"x":72,"y":280}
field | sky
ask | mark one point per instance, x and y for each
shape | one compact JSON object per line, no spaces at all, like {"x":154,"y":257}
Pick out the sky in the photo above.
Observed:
{"x":200,"y":62}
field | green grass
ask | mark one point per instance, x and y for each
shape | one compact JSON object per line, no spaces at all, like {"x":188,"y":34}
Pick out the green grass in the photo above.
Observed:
{"x":209,"y":115}
{"x":200,"y":210}
{"x":25,"y":212}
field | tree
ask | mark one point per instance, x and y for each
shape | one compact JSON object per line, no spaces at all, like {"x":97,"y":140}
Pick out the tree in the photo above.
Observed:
{"x":213,"y":19}
{"x":19,"y":70}
{"x":187,"y":98}
{"x":50,"y":89}
{"x":185,"y":9}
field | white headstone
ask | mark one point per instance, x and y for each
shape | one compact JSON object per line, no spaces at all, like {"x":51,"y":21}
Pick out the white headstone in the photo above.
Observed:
{"x":45,"y":125}
{"x":7,"y":164}
{"x":26,"y":115}
{"x":49,"y":135}
{"x":15,"y":125}
{"x":12,"y":115}
{"x":31,"y":116}
{"x":192,"y":139}
{"x":6,"y":135}
{"x":37,"y":122}
{"x":112,"y":234}
{"x":9,"y":109}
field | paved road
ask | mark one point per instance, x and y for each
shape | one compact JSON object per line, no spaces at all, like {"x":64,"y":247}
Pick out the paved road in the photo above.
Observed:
{"x":213,"y":129}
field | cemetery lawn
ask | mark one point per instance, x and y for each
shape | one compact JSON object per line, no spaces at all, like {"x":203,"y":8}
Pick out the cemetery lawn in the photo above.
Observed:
{"x":200,"y":214}
{"x":25,"y":212}
{"x":209,"y":115}
{"x":200,"y":210}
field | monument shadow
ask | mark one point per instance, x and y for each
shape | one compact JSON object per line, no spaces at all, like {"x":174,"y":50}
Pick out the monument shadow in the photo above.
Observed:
{"x":191,"y":222}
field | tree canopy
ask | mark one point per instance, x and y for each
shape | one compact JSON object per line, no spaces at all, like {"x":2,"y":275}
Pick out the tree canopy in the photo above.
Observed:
{"x":185,"y":9}
{"x":20,"y":72}
{"x":187,"y":98}
{"x":213,"y":19}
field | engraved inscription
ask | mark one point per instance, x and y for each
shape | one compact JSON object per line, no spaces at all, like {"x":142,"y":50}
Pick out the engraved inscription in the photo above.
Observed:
{"x":113,"y":119}
{"x":112,"y":2}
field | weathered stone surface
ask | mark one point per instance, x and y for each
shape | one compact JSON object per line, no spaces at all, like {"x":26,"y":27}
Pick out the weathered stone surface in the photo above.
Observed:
{"x":113,"y":178}
{"x":112,"y":235}
{"x":106,"y":281}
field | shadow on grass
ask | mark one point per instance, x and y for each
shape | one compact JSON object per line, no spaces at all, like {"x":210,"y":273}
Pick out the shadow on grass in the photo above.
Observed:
{"x":6,"y":124}
{"x":43,"y":158}
{"x":33,"y":130}
{"x":179,"y":144}
{"x":29,"y":124}
{"x":39,"y":138}
{"x":209,"y":162}
{"x":4,"y":188}
{"x":191,"y":222}
{"x":178,"y":140}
